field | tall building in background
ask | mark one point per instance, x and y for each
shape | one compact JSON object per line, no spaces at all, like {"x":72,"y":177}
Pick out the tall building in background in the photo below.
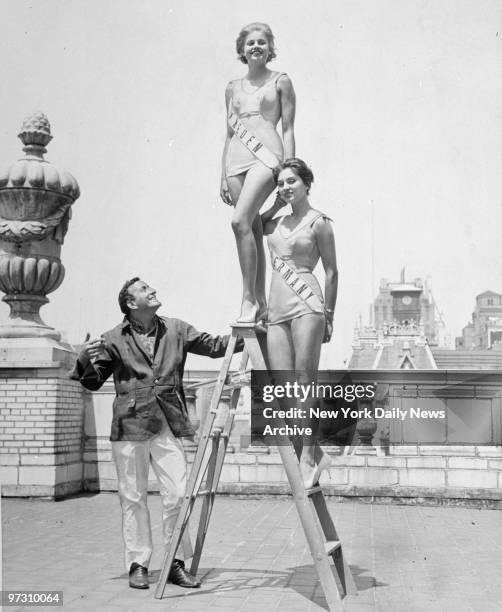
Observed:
{"x":485,"y":329}
{"x":409,"y":333}
{"x":404,"y":303}
{"x":405,"y":325}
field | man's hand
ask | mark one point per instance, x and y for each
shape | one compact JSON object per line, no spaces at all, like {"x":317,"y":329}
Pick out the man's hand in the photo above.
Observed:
{"x":93,"y":348}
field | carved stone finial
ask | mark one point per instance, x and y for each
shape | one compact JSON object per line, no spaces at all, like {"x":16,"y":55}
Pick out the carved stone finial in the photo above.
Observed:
{"x":35,"y":132}
{"x":35,"y":209}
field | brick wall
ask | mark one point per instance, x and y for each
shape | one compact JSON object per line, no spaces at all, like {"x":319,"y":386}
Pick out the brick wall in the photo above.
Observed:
{"x":41,"y":432}
{"x":475,"y":477}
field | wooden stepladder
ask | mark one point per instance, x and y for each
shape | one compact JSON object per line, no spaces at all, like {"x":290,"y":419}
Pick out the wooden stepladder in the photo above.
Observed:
{"x":336,"y":579}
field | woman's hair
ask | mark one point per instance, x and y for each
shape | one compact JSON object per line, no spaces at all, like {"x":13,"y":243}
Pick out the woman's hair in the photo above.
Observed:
{"x":299,"y":167}
{"x":244,"y":33}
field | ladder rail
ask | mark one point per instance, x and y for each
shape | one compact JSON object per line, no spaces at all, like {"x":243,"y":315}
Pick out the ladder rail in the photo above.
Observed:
{"x":322,"y":538}
{"x":193,"y":481}
{"x":334,"y":580}
{"x":208,"y":503}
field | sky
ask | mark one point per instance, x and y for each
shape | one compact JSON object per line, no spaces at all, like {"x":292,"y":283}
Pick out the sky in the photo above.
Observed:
{"x":399,"y":114}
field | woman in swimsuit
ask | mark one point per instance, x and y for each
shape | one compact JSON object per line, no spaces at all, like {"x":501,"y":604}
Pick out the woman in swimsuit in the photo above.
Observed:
{"x":299,"y":319}
{"x":258,"y":100}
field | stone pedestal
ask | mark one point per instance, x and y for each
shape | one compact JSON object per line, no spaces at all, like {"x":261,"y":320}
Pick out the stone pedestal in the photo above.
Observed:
{"x":41,"y":427}
{"x":41,"y":409}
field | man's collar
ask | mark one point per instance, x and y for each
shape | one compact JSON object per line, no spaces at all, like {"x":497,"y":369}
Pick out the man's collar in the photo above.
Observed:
{"x":126,"y":323}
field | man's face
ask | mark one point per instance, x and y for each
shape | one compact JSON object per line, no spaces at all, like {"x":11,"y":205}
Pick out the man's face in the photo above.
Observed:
{"x":142,"y":297}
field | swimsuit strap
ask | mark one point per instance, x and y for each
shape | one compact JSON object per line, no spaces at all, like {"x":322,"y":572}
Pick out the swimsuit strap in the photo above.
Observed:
{"x":278,"y":76}
{"x":309,"y":222}
{"x":317,"y":216}
{"x":320,"y":214}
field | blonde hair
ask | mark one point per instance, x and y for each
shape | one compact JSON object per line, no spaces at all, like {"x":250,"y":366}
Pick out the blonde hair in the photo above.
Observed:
{"x":244,"y":33}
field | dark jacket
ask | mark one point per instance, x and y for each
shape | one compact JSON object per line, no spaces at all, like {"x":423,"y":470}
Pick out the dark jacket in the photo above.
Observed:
{"x":148,"y":393}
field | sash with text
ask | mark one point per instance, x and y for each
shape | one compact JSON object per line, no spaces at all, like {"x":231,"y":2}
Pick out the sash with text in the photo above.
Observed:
{"x":251,"y":142}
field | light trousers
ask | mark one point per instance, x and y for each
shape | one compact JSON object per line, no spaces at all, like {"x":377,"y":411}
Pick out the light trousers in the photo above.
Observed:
{"x":165,"y":454}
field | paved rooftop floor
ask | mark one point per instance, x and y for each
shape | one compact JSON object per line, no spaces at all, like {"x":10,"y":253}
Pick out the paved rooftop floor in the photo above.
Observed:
{"x":403,"y":558}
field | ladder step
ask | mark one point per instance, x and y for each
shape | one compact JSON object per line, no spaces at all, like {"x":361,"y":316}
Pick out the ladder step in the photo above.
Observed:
{"x":202,"y":493}
{"x":331,"y":546}
{"x":241,"y":378}
{"x":314,"y":490}
{"x":218,"y":433}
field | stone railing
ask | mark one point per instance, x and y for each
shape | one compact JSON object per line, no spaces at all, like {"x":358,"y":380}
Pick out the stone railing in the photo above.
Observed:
{"x":412,"y":464}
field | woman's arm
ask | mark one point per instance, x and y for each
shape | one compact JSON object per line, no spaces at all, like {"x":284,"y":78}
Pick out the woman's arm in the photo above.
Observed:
{"x":326,"y":245}
{"x":224,"y":193}
{"x":288,"y":109}
{"x":269,"y":214}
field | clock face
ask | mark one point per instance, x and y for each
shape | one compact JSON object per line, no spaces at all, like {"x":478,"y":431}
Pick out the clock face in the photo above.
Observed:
{"x":406,"y":300}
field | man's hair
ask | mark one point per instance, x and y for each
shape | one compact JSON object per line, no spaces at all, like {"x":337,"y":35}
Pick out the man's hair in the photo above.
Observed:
{"x":124,"y":295}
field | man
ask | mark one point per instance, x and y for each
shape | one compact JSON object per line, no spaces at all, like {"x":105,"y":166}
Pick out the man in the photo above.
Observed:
{"x":146,"y":355}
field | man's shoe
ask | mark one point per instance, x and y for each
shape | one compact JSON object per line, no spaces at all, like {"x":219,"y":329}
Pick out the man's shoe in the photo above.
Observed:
{"x":178,"y":575}
{"x":138,"y":577}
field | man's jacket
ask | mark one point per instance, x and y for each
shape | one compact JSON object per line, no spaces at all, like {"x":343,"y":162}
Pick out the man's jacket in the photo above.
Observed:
{"x":148,"y":392}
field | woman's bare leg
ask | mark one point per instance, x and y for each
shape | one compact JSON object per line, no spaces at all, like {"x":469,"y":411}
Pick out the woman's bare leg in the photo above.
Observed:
{"x":281,"y":354}
{"x":257,"y":186}
{"x":260,"y":268}
{"x":307,"y":334}
{"x":281,"y":357}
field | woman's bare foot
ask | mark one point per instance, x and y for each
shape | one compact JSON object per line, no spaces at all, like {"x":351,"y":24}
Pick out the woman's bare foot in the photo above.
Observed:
{"x":307,"y":469}
{"x":310,"y":471}
{"x":262,"y":314}
{"x":249,"y":310}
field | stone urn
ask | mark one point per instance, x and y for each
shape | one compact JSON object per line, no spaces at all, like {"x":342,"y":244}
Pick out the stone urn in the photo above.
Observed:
{"x":35,"y":209}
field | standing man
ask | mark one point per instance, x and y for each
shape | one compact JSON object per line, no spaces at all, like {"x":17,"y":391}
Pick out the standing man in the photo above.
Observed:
{"x":146,"y":355}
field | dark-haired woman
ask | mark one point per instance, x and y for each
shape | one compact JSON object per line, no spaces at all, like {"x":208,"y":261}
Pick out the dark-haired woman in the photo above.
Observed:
{"x":255,"y":104}
{"x":299,"y":318}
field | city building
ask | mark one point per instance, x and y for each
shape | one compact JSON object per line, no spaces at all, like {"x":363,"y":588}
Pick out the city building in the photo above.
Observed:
{"x":406,"y":324}
{"x":409,"y":333}
{"x":485,"y":329}
{"x":480,"y":345}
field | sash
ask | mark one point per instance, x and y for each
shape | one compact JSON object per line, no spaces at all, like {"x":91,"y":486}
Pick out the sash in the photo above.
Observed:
{"x":251,"y":142}
{"x":297,"y":284}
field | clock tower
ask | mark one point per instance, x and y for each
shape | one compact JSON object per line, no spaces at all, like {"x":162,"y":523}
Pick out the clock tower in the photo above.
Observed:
{"x":406,"y":304}
{"x":404,"y":327}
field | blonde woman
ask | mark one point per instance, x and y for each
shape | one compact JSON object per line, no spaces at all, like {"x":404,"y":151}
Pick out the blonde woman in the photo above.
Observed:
{"x":255,"y":104}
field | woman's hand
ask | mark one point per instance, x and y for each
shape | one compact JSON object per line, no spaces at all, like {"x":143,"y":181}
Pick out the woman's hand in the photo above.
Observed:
{"x":225,"y":193}
{"x":279,"y":201}
{"x":328,"y":330}
{"x":269,"y":214}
